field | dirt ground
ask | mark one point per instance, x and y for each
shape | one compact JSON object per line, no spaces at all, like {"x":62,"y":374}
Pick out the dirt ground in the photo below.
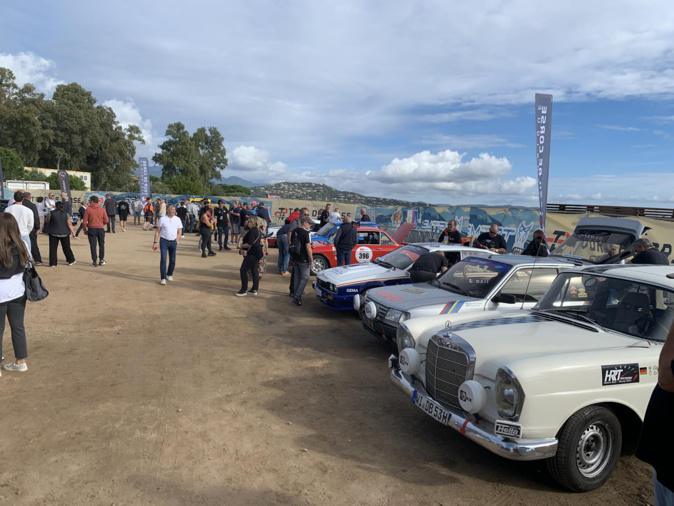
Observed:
{"x":184,"y":394}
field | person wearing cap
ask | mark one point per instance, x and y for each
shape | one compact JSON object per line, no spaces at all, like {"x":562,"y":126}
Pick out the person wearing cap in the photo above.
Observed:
{"x":646,"y":253}
{"x":537,"y":247}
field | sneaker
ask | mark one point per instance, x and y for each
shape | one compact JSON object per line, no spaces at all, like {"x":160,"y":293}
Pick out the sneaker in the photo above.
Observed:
{"x":102,"y":262}
{"x":252,"y":292}
{"x":169,"y":278}
{"x":241,"y":293}
{"x":162,"y":282}
{"x":211,"y":253}
{"x":73,"y":262}
{"x":204,"y":255}
{"x":15,"y":367}
{"x":94,"y":264}
{"x":298,"y":302}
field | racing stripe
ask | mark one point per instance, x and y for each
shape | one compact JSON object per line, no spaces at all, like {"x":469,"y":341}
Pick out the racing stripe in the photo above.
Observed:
{"x":448,"y":307}
{"x":457,"y":306}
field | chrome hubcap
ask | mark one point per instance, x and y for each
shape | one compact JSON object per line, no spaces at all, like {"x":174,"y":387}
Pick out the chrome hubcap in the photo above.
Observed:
{"x":317,"y":265}
{"x":594,"y":450}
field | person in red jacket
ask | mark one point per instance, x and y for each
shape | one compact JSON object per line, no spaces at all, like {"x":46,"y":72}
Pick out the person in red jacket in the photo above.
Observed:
{"x":94,"y":222}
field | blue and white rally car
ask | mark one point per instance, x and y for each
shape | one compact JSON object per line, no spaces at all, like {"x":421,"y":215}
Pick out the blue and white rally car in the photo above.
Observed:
{"x":342,"y":287}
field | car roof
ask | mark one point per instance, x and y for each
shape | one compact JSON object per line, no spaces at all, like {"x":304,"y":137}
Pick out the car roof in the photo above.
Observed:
{"x":651,"y":274}
{"x":438,"y":246}
{"x":368,"y":228}
{"x":526,"y":259}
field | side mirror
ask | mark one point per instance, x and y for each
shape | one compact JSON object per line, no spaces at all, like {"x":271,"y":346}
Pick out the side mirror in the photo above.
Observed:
{"x":505,"y":298}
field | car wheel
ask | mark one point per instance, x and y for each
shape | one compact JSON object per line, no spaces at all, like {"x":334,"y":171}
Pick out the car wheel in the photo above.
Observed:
{"x":589,"y":447}
{"x":319,"y":264}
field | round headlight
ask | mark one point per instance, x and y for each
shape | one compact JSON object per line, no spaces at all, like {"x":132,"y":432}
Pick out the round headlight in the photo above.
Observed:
{"x":404,"y":338}
{"x":509,"y":394}
{"x":409,"y":361}
{"x":370,"y":310}
{"x":356,"y":302}
{"x":472,"y":396}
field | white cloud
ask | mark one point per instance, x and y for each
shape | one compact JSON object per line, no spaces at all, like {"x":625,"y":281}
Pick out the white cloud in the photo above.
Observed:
{"x":127,"y":113}
{"x":255,"y":164}
{"x":462,"y":115}
{"x":619,"y":128}
{"x":30,"y":68}
{"x":470,"y":141}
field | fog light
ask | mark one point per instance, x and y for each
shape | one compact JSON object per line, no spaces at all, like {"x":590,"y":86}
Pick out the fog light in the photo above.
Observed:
{"x":370,"y":310}
{"x":409,"y":361}
{"x":472,"y":396}
{"x":356,"y":302}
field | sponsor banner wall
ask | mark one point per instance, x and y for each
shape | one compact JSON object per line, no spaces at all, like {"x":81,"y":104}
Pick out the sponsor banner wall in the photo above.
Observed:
{"x":517,"y":223}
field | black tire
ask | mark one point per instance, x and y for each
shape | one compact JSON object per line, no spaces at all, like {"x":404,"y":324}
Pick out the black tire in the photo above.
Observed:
{"x":319,"y":264}
{"x":590,"y":443}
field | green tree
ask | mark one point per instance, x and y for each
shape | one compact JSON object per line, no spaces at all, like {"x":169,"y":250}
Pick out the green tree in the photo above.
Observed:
{"x":75,"y":182}
{"x":12,"y":165}
{"x":191,"y":161}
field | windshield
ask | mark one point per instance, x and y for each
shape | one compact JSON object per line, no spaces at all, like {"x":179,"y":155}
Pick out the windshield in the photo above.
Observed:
{"x":596,"y":246}
{"x":622,"y":305}
{"x":474,"y":276}
{"x":402,"y":258}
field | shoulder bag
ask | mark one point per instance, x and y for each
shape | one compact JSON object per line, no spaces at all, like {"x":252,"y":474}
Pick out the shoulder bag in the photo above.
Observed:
{"x":35,"y":289}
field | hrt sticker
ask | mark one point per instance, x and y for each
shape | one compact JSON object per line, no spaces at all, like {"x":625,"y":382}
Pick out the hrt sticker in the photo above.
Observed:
{"x":619,"y":374}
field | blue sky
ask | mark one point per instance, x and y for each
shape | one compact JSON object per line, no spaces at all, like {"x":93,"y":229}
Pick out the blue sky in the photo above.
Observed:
{"x":419,"y":99}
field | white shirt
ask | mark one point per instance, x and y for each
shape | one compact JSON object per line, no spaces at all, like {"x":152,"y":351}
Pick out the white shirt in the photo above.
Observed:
{"x":12,"y":288}
{"x":50,"y":204}
{"x":168,"y":227}
{"x":24,"y":217}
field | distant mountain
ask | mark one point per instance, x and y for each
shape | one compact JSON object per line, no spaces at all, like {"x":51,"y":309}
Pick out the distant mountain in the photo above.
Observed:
{"x":236,"y":180}
{"x":315,"y":191}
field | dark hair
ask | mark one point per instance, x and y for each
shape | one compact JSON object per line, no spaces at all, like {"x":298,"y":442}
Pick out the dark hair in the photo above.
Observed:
{"x":10,"y":240}
{"x":59,"y":205}
{"x":18,"y":196}
{"x":93,"y":199}
{"x":40,"y":199}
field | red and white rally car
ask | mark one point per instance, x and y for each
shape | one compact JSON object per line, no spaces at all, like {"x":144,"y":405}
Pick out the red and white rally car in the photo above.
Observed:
{"x":373,"y":242}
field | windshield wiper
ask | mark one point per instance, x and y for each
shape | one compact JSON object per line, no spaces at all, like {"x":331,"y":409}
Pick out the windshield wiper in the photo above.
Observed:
{"x":573,"y":313}
{"x":453,"y":287}
{"x":383,"y":263}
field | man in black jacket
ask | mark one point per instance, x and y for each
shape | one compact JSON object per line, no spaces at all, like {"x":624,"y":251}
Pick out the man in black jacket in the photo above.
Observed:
{"x":111,"y":210}
{"x":345,"y":239}
{"x":645,"y":253}
{"x":451,"y":233}
{"x":656,"y":446}
{"x":537,"y":247}
{"x":34,"y":249}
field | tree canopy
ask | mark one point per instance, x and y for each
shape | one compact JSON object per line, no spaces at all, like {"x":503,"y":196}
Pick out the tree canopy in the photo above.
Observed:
{"x":190,"y":161}
{"x":70,"y":130}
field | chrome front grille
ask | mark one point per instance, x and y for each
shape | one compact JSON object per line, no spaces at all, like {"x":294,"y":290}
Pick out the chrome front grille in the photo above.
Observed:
{"x":381,"y":311}
{"x":449,"y":362}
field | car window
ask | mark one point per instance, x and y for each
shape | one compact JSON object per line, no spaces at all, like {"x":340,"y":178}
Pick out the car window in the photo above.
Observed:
{"x":368,"y":237}
{"x":386,"y":240}
{"x":485,"y":253}
{"x":527,"y":286}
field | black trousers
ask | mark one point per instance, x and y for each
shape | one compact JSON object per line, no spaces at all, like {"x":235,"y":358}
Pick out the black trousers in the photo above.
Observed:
{"x":97,"y":238}
{"x":223,"y":236}
{"x":79,"y":229}
{"x":53,"y":249}
{"x":34,"y":250}
{"x":252,"y":265}
{"x":206,"y":234}
{"x":111,"y":223}
{"x":15,"y":310}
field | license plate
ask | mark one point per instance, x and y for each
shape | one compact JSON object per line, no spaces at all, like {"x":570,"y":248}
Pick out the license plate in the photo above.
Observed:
{"x":431,"y":408}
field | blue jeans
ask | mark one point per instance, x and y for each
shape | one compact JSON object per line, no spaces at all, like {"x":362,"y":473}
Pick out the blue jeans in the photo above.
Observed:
{"x":663,"y":496}
{"x":166,"y":246}
{"x":283,"y":252}
{"x":301,"y":274}
{"x":343,"y":257}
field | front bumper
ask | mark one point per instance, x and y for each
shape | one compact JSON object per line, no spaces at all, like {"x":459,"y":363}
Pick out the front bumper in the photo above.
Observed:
{"x":515,"y":450}
{"x":379,"y":328}
{"x":334,"y":300}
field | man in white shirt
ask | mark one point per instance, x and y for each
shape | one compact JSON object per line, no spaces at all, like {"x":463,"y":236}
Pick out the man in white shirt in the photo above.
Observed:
{"x":23,"y":216}
{"x":167,"y":234}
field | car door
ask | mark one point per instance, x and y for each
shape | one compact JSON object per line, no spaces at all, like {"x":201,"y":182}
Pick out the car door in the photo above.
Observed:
{"x":526,"y":285}
{"x":367,"y":248}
